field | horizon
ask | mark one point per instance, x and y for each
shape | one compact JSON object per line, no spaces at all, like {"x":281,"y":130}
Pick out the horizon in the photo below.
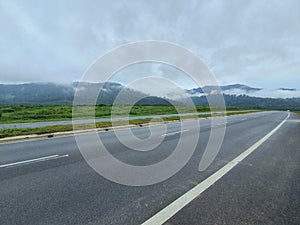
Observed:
{"x":255,"y":43}
{"x":175,"y":92}
{"x":124,"y":84}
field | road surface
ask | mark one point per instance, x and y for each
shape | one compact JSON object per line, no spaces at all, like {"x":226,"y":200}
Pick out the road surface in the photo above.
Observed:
{"x":48,"y":182}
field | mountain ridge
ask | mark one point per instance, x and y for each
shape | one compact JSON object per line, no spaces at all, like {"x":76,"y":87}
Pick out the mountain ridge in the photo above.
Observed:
{"x":62,"y":94}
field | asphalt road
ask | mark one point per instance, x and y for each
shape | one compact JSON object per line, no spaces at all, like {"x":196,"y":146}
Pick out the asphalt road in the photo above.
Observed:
{"x":264,"y":188}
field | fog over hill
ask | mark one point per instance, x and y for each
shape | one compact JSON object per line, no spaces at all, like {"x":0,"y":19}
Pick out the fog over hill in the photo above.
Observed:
{"x":234,"y":95}
{"x":58,"y":94}
{"x":239,"y":89}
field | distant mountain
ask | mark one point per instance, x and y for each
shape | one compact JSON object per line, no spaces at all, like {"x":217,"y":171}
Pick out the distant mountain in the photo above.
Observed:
{"x":213,"y":89}
{"x":287,"y":89}
{"x":249,"y":97}
{"x":35,"y":94}
{"x":55,"y":94}
{"x":240,"y":86}
{"x":240,"y":89}
{"x":246,"y":101}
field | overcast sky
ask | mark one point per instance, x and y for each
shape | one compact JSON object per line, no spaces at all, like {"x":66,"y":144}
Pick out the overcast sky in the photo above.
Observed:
{"x":256,"y":43}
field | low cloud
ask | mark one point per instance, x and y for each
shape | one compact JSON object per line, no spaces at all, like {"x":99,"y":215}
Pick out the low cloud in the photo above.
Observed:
{"x":253,"y":42}
{"x":265,"y":93}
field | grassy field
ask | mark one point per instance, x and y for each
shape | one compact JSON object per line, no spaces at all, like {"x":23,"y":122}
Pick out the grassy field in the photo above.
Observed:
{"x":19,"y":114}
{"x":62,"y":128}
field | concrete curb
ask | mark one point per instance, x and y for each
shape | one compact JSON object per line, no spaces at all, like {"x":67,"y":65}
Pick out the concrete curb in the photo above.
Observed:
{"x":59,"y":134}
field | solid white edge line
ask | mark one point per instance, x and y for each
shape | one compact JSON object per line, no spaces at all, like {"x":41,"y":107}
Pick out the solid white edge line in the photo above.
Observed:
{"x":34,"y":160}
{"x":173,"y":133}
{"x":170,"y":210}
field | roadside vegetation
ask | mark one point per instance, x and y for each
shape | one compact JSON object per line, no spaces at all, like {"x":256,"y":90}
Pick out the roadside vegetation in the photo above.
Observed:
{"x":19,"y":114}
{"x":140,"y":122}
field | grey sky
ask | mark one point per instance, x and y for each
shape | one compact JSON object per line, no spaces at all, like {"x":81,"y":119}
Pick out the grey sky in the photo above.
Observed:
{"x":251,"y":42}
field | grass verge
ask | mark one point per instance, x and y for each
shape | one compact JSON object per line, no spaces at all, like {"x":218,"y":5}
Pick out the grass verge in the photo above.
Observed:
{"x":62,"y":128}
{"x":21,"y":114}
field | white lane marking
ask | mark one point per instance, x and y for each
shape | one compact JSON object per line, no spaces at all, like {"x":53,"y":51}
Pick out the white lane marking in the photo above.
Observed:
{"x":173,"y":133}
{"x":33,"y":160}
{"x":220,"y":124}
{"x":295,"y":121}
{"x":165,"y":214}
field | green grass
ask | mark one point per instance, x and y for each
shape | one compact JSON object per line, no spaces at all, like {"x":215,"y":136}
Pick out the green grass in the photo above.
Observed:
{"x":20,"y":114}
{"x":62,"y":128}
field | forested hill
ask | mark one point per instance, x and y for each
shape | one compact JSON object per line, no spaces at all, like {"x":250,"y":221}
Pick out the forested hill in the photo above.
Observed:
{"x":55,"y":94}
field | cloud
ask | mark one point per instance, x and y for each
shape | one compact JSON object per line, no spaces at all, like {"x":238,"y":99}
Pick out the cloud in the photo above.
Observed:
{"x":158,"y":86}
{"x":252,"y":42}
{"x":265,"y":93}
{"x":149,"y":69}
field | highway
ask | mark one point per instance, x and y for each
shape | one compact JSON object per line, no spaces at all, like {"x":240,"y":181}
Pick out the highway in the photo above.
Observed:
{"x":47,"y":181}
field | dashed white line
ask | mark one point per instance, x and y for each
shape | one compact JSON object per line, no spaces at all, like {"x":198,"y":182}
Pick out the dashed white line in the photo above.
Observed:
{"x":173,"y":133}
{"x":295,"y":121}
{"x":169,"y":211}
{"x":33,"y":160}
